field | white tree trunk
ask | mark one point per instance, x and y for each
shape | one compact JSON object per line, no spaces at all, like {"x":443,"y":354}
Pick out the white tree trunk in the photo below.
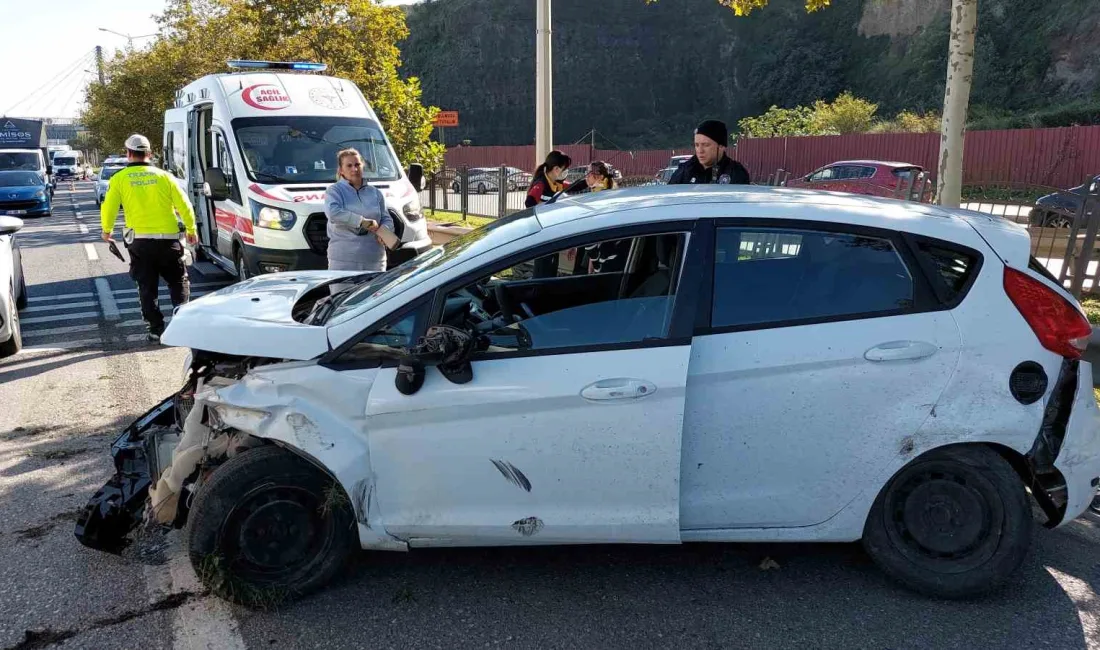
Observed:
{"x":956,"y":98}
{"x":544,"y":84}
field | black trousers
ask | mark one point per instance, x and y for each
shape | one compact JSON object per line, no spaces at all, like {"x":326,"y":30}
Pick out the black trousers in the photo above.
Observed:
{"x":150,"y":261}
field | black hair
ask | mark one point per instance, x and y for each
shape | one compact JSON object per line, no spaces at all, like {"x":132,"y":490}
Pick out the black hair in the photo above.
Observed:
{"x":553,"y":159}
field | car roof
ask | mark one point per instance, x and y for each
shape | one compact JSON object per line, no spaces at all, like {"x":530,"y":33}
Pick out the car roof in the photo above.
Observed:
{"x":884,"y":163}
{"x":655,"y":196}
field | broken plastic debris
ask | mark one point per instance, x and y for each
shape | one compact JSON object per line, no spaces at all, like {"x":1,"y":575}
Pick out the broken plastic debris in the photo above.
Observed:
{"x":768,"y":563}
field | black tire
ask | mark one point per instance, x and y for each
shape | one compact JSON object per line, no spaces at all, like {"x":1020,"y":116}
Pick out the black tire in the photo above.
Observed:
{"x":14,"y":344}
{"x":1055,"y":220}
{"x":21,"y":288}
{"x":954,"y":523}
{"x":242,"y":266}
{"x":269,"y":526}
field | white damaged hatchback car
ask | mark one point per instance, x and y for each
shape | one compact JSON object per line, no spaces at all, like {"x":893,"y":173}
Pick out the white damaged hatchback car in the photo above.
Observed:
{"x":653,"y":365}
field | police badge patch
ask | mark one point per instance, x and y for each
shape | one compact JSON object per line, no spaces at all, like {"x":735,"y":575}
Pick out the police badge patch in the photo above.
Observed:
{"x":724,"y":179}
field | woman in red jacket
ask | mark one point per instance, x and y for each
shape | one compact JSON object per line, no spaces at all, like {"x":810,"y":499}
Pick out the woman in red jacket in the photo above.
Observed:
{"x":549,"y":178}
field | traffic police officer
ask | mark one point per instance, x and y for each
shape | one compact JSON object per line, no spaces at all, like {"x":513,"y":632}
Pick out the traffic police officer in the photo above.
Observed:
{"x":148,"y":196}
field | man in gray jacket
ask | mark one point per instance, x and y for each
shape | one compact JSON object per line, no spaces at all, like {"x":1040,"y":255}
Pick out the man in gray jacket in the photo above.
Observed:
{"x":355,"y":210}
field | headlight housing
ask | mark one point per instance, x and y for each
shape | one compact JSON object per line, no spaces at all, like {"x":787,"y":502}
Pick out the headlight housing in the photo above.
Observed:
{"x":40,"y":194}
{"x":266,"y":216}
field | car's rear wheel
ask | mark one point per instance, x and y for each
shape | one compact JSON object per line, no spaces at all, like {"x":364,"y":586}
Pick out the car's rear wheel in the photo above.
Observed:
{"x":953,"y":523}
{"x":481,"y":188}
{"x":1054,"y":220}
{"x":15,"y":343}
{"x":268,"y":525}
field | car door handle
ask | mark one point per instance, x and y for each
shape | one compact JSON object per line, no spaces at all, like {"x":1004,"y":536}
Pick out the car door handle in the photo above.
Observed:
{"x":618,"y":389}
{"x":900,"y":351}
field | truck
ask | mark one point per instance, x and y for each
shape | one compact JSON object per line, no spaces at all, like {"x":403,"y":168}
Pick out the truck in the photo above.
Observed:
{"x":23,"y":146}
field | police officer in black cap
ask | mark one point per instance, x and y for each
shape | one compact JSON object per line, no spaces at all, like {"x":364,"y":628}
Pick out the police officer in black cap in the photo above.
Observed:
{"x":710,"y":164}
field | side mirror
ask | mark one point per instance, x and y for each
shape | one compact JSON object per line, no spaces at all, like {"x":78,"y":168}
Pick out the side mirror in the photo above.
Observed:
{"x":416,"y":176}
{"x":445,"y":347}
{"x":216,"y":187}
{"x":10,"y":225}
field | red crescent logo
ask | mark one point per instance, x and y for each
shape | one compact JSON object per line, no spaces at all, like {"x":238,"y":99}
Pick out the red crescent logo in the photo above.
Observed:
{"x":266,"y":97}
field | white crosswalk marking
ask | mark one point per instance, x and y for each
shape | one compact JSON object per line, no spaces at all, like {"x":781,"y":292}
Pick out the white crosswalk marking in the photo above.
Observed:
{"x":64,"y":296}
{"x":56,"y":331}
{"x":58,"y":306}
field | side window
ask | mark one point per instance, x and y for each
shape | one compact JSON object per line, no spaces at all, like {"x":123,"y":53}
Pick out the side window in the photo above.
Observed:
{"x":772,"y":276}
{"x":394,"y":333}
{"x":952,"y":267}
{"x":520,"y":309}
{"x":168,"y":155}
{"x":827,"y":174}
{"x":866,"y":172}
{"x":225,"y":163}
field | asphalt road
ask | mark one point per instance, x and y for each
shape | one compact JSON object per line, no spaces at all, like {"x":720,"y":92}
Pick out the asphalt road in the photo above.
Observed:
{"x":65,"y":397}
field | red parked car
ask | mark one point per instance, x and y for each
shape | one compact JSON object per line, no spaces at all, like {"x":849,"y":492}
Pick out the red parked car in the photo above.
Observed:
{"x":873,"y":177}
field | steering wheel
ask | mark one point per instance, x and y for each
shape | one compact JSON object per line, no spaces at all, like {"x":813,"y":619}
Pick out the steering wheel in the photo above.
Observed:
{"x":506,"y":307}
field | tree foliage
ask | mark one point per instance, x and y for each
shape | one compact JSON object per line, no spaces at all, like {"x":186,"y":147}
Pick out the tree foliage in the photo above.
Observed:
{"x":777,"y":122}
{"x":845,"y":114}
{"x":746,"y":7}
{"x":358,"y":39}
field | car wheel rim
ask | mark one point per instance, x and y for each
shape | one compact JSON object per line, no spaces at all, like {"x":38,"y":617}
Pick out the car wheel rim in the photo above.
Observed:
{"x":276,"y":531}
{"x":1059,"y":222}
{"x":242,"y":269}
{"x":942,"y":518}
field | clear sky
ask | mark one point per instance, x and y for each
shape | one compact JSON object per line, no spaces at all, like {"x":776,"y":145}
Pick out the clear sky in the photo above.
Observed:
{"x":44,"y":39}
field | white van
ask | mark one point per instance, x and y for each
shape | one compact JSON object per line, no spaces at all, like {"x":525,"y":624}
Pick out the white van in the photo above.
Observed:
{"x":69,"y":164}
{"x":255,"y":151}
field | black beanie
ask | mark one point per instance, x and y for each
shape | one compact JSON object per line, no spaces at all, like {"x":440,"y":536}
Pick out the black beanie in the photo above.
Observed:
{"x":715,"y":130}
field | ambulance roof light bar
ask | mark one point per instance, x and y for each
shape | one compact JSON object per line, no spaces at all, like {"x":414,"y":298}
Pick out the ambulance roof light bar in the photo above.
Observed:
{"x":301,"y":66}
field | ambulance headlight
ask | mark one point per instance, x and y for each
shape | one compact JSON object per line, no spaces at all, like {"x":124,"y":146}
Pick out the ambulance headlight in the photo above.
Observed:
{"x":411,"y":210}
{"x":265,"y":216}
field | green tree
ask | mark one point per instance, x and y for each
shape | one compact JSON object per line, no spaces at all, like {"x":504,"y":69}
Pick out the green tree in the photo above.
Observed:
{"x":357,"y":39}
{"x":846,"y":114}
{"x":778,"y":122}
{"x":956,"y":98}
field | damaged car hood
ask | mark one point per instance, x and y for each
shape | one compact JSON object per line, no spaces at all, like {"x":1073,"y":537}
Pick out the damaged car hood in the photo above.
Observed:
{"x":253,"y":318}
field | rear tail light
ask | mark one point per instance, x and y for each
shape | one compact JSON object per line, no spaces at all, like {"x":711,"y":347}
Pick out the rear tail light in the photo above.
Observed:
{"x":1059,"y":326}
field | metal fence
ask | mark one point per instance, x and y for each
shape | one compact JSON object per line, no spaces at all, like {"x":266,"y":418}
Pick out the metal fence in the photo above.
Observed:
{"x":455,"y":195}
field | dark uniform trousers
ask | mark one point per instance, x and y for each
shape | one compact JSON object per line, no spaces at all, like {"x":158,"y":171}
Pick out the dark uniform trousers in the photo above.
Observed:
{"x":150,"y":261}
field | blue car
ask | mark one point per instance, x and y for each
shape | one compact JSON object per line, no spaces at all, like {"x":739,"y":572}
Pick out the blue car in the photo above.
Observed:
{"x":24,"y":194}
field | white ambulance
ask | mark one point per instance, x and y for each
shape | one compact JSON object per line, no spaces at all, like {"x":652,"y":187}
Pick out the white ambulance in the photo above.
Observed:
{"x":255,"y":150}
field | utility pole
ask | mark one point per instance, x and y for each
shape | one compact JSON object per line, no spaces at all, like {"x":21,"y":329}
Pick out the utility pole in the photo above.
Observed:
{"x":544,"y":84}
{"x":99,"y":63}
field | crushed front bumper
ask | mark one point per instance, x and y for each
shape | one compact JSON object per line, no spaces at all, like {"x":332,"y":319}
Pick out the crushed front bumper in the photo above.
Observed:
{"x":118,"y":507}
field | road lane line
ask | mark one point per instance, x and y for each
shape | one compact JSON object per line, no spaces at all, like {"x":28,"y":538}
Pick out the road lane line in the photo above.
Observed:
{"x":65,"y":345}
{"x":56,"y":331}
{"x":54,"y":307}
{"x":106,"y":299}
{"x":89,"y":250}
{"x":139,"y":322}
{"x":194,"y":285}
{"x":162,"y":297}
{"x":64,"y":296}
{"x":83,"y":228}
{"x":56,"y":319}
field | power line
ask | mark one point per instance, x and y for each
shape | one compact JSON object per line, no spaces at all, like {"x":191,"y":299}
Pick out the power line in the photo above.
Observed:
{"x":47,"y":95}
{"x":81,"y":82}
{"x":66,"y":71}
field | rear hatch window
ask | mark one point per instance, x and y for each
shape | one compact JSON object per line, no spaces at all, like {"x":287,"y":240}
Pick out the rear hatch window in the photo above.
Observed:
{"x":952,"y":269}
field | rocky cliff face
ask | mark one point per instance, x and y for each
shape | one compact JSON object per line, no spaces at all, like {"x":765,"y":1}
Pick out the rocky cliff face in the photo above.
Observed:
{"x":643,"y":75}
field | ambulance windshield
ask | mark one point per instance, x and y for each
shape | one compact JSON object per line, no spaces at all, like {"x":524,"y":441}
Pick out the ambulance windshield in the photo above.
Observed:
{"x":299,"y":149}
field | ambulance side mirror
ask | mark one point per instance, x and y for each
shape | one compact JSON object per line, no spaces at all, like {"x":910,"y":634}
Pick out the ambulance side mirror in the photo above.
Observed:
{"x":416,"y":176}
{"x":216,"y":186}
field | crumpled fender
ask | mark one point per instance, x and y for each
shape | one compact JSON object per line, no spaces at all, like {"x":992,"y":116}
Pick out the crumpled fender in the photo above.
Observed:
{"x":319,"y":414}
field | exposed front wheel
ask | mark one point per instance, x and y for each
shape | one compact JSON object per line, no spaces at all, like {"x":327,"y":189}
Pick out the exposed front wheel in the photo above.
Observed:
{"x":267,"y":526}
{"x":954,"y":523}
